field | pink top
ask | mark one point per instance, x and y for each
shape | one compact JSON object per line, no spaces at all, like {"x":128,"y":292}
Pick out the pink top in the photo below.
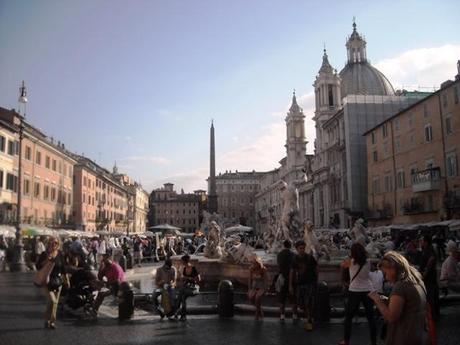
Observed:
{"x":113,"y":272}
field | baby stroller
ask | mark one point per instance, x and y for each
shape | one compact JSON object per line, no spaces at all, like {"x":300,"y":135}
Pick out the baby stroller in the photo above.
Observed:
{"x":81,"y":292}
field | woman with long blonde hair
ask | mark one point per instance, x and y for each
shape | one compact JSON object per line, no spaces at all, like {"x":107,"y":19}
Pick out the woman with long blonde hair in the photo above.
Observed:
{"x":57,"y":278}
{"x":405,"y":310}
{"x":257,"y":285}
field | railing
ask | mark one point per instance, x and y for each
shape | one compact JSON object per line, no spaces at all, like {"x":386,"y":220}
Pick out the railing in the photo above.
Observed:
{"x":426,"y":180}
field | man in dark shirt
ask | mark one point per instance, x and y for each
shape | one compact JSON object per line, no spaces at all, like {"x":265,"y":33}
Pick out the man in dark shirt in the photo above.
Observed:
{"x":284,"y":260}
{"x":304,"y":275}
{"x":430,"y":275}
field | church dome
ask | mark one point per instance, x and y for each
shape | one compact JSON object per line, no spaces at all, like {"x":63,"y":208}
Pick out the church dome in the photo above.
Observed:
{"x":363,"y":79}
{"x":358,"y":76}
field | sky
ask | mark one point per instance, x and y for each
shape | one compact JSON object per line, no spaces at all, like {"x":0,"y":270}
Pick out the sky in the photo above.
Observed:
{"x":138,"y":82}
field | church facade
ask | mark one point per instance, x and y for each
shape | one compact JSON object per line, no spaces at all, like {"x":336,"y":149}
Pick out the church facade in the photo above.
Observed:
{"x":347,"y":105}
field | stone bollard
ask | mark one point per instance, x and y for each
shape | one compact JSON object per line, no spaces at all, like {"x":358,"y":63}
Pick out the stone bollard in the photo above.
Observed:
{"x":322,"y":306}
{"x":125,"y":301}
{"x":225,"y":298}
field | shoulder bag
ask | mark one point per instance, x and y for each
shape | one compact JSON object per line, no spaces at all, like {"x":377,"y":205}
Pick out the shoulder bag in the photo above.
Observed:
{"x":42,"y":277}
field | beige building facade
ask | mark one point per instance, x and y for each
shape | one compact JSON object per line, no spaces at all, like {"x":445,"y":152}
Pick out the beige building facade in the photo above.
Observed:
{"x":180,"y":210}
{"x":412,"y":157}
{"x":8,"y":172}
{"x":236,"y":193}
{"x":46,"y":177}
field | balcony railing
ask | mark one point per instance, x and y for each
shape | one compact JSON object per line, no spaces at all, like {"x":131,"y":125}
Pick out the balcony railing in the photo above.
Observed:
{"x":425,"y":180}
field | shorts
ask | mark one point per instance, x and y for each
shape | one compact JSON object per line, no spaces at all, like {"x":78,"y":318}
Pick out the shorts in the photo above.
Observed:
{"x":306,"y":293}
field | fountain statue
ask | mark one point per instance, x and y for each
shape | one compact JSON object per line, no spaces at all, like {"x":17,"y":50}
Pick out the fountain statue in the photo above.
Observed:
{"x":213,"y":248}
{"x":312,"y":242}
{"x":236,"y":251}
{"x":358,"y":232}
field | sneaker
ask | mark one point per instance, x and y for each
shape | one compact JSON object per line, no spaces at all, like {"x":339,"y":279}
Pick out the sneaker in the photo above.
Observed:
{"x":52,"y":325}
{"x":183,"y":318}
{"x":162,"y":315}
{"x":308,"y":326}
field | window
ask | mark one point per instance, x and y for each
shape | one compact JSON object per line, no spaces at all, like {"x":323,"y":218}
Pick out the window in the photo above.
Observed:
{"x":444,"y":99}
{"x":411,"y":119}
{"x":60,"y":167}
{"x":53,"y":194}
{"x":11,"y":182}
{"x":401,"y":179}
{"x":1,"y":178}
{"x":456,"y":94}
{"x":449,"y":124}
{"x":331,"y":97}
{"x":70,"y":171}
{"x":65,"y":169}
{"x":384,"y":130}
{"x":428,"y":133}
{"x":2,"y":143}
{"x":388,"y":183}
{"x":37,"y":190}
{"x":397,"y":124}
{"x":38,"y":157}
{"x":54,"y":165}
{"x":47,"y":162}
{"x":376,"y":185}
{"x":397,"y":144}
{"x":11,"y":148}
{"x":451,"y":161}
{"x":26,"y":190}
{"x":46,"y":192}
{"x":425,"y":110}
{"x":374,"y":155}
{"x":373,"y":138}
{"x":28,"y":154}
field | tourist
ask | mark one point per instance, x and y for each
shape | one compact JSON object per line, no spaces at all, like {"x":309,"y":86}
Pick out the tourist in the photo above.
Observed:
{"x":428,"y":263}
{"x":114,"y":274}
{"x":165,"y":281}
{"x":303,"y":279}
{"x":450,"y":271}
{"x":257,"y":285}
{"x":57,"y":278}
{"x":405,"y":310}
{"x":284,"y":259}
{"x":137,"y":250}
{"x":3,"y":251}
{"x":358,"y":290}
{"x":190,"y":280}
{"x":101,"y":249}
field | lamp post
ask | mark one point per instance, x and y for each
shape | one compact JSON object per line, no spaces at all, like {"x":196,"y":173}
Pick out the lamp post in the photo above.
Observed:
{"x":18,"y":264}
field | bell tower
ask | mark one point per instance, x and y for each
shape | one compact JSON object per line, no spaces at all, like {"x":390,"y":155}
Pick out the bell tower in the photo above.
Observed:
{"x":328,"y":98}
{"x":296,"y":144}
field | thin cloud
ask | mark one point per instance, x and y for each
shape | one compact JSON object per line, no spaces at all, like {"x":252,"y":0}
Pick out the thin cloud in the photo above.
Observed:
{"x":423,"y":68}
{"x":150,"y":159}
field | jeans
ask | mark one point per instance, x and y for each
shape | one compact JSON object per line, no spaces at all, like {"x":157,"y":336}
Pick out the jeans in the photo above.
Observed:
{"x":354,"y":300}
{"x":184,"y":293}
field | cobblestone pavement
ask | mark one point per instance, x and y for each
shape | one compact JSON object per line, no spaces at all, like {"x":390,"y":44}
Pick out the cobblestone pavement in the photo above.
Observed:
{"x":22,"y":305}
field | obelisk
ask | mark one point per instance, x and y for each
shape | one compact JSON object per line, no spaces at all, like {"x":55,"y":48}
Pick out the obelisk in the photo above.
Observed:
{"x":212,"y":194}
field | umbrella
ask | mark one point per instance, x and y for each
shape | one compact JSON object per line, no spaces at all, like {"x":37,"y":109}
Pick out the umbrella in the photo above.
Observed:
{"x":165,"y":226}
{"x":103,"y":232}
{"x":149,"y":233}
{"x":167,"y":229}
{"x":237,"y":228}
{"x":7,"y":231}
{"x":27,"y":230}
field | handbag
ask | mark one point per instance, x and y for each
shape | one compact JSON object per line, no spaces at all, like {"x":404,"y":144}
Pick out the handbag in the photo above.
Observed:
{"x":430,"y":325}
{"x":42,"y":276}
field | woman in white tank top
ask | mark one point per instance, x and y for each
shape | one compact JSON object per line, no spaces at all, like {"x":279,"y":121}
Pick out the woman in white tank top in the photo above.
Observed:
{"x":358,"y":290}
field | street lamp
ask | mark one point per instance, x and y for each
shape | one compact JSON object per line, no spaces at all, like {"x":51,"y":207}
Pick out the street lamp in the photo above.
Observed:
{"x":18,"y":263}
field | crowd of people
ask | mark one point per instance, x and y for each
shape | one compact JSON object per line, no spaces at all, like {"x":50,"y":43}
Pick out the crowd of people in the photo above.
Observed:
{"x":401,"y":284}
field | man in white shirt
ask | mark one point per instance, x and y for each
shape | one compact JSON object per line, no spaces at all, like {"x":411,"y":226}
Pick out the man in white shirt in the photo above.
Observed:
{"x":450,"y":271}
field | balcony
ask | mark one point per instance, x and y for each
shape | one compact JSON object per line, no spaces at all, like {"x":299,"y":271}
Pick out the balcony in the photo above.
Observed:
{"x":426,"y":180}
